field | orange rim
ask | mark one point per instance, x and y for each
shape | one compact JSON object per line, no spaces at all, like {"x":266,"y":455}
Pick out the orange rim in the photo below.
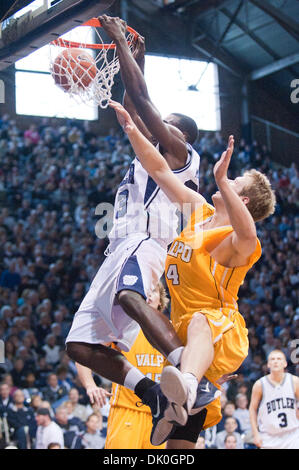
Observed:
{"x":95,"y":23}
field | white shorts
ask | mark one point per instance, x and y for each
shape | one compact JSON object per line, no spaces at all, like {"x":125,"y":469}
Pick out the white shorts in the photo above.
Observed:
{"x":134,"y":264}
{"x":285,"y":440}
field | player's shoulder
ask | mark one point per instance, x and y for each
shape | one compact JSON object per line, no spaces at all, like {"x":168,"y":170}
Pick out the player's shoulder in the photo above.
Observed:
{"x":295,"y":379}
{"x":258,"y":384}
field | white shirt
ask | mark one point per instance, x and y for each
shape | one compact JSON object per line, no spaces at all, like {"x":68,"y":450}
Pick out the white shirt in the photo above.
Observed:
{"x":45,"y":435}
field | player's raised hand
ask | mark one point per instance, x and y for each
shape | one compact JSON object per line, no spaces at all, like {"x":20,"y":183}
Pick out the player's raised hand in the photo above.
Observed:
{"x":139,"y":49}
{"x":123,"y":116}
{"x":115,"y":27}
{"x":221,"y":167}
{"x":97,"y":395}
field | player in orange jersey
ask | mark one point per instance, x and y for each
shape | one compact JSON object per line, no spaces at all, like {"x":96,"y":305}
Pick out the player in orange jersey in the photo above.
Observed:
{"x":129,"y":423}
{"x":205,"y":267}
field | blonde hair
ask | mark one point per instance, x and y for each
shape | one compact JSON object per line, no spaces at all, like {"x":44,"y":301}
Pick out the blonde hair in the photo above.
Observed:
{"x":164,"y":300}
{"x":262,"y":199}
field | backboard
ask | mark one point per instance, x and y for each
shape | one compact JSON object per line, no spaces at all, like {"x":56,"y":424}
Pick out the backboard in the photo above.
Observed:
{"x":41,"y":21}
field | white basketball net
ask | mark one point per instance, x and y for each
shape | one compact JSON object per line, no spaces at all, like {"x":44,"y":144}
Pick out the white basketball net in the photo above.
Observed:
{"x":98,"y":91}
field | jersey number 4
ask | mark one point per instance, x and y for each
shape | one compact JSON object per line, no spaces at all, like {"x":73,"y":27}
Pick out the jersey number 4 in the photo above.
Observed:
{"x":173,"y":275}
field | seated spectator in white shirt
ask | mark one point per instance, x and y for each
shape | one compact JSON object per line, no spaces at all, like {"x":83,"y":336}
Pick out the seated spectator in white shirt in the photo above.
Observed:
{"x":52,"y":350}
{"x":242,"y":413}
{"x":93,"y":438}
{"x":79,"y":411}
{"x":230,"y":426}
{"x":47,"y":431}
{"x":230,"y":441}
{"x":228,"y":411}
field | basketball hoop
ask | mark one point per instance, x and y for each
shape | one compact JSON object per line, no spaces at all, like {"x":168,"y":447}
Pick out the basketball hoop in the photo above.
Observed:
{"x":88,"y":76}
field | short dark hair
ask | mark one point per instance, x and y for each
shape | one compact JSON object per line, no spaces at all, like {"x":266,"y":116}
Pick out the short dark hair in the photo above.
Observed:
{"x":188,"y":126}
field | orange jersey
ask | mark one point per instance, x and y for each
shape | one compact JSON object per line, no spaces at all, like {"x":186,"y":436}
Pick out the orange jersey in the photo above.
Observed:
{"x":195,"y":280}
{"x":150,"y":362}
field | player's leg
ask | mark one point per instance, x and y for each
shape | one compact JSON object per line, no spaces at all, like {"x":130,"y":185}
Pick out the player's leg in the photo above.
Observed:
{"x":185,"y":437}
{"x":113,"y":365}
{"x":156,"y":327}
{"x":105,"y":361}
{"x":180,"y":387}
{"x":141,"y":271}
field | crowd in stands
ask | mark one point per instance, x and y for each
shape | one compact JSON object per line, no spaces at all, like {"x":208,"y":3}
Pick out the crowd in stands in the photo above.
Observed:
{"x":52,"y":177}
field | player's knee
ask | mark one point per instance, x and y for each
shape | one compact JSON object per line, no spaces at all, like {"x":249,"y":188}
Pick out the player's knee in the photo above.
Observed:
{"x":129,"y":301}
{"x":72,"y":350}
{"x":198,"y":325}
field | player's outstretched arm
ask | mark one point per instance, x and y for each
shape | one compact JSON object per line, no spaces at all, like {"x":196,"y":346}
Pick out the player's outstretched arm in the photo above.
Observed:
{"x":97,"y":395}
{"x":155,"y":165}
{"x":135,"y":86}
{"x":256,"y":397}
{"x":244,"y":236}
{"x":138,"y":54}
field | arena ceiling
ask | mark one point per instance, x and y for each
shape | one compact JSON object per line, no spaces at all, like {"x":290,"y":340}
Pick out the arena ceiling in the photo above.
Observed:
{"x":252,"y":39}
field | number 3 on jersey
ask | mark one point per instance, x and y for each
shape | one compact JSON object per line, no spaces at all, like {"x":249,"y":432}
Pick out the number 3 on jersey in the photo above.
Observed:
{"x":173,"y":275}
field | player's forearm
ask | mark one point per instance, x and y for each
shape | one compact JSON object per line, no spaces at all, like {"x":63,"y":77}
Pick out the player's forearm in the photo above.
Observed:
{"x":240,"y":218}
{"x":85,"y":376}
{"x":253,"y":421}
{"x":132,"y":75}
{"x":151,"y":160}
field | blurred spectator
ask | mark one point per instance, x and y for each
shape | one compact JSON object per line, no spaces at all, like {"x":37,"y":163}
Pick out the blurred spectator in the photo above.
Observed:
{"x":21,"y":421}
{"x":79,"y":411}
{"x":47,"y":431}
{"x":230,"y":441}
{"x":51,"y":349}
{"x":72,"y":428}
{"x":5,"y":398}
{"x":30,"y":386}
{"x":242,"y":413}
{"x":230,"y":426}
{"x":53,"y":391}
{"x":54,"y":445}
{"x":92,"y":438}
{"x":228,"y":411}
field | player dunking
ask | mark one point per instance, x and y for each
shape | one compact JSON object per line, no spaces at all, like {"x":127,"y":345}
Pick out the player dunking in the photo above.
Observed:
{"x":205,"y":267}
{"x":115,"y":305}
{"x":273,"y":406}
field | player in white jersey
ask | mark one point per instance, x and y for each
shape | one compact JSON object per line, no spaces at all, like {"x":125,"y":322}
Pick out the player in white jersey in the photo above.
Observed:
{"x":115,"y":306}
{"x":273,"y":406}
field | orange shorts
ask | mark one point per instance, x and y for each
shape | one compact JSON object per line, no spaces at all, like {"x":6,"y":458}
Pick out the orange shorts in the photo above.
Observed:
{"x":230,"y":340}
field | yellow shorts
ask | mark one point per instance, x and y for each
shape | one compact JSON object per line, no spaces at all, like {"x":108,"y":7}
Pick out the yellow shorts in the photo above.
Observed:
{"x":214,"y":414}
{"x":129,"y":429}
{"x":230,"y":339}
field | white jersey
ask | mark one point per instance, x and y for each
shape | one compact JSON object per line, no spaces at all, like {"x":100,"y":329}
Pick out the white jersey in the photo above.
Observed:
{"x":141,"y":207}
{"x":277,"y":410}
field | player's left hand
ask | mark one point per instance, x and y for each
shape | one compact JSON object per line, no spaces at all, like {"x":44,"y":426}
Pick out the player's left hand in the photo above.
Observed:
{"x":98,"y":395}
{"x":226,"y":378}
{"x":123,"y":116}
{"x":115,"y":27}
{"x":221,"y":167}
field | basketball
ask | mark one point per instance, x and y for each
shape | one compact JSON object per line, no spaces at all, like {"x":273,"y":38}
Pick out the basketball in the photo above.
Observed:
{"x":74,"y":66}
